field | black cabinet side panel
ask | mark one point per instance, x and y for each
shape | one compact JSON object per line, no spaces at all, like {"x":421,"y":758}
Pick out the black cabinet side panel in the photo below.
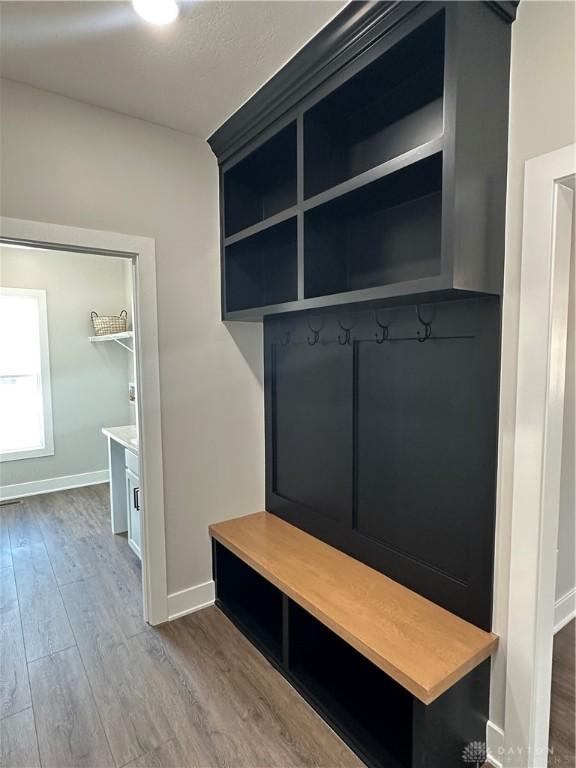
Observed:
{"x":451,"y":732}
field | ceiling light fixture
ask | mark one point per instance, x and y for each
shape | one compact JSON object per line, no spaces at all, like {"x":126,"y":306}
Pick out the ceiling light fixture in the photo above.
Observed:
{"x":158,"y":12}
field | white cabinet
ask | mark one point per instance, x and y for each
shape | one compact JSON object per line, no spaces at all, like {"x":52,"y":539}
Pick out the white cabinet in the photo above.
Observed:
{"x":133,"y":506}
{"x":125,"y":483}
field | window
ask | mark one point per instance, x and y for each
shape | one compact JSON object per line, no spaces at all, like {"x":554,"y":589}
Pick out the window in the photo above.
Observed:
{"x":25,"y":399}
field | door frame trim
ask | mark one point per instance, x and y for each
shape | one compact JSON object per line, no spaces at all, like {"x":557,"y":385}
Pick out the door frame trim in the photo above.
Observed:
{"x":142,"y":252}
{"x":544,"y":294}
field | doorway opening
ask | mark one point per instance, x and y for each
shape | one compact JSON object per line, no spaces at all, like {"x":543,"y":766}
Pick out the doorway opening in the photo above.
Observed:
{"x":82,"y":475}
{"x":67,"y":375}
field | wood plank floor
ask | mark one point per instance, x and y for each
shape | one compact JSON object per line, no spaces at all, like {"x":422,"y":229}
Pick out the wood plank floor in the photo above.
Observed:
{"x":85,"y":683}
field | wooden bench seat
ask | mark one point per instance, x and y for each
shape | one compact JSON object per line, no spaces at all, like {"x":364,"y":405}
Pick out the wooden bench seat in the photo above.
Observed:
{"x":423,"y":647}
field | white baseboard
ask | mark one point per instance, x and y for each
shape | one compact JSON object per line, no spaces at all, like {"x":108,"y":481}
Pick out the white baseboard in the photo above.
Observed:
{"x":190,"y":600}
{"x":564,"y":609}
{"x":18,"y":490}
{"x":494,"y":744}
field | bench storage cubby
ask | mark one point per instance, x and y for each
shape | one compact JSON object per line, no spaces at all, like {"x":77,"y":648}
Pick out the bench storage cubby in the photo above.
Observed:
{"x":250,"y":601}
{"x":359,"y":699}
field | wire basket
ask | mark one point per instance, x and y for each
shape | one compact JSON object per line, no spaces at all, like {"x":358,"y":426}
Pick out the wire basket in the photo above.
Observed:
{"x":107,"y":324}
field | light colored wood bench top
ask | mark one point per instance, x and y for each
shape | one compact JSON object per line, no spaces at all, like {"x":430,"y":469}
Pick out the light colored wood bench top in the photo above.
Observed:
{"x":423,"y":647}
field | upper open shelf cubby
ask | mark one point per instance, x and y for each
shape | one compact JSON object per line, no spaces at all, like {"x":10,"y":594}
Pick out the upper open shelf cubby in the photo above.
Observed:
{"x":392,"y":106}
{"x":383,"y":233}
{"x":372,"y":167}
{"x":261,"y":270}
{"x":262,"y":184}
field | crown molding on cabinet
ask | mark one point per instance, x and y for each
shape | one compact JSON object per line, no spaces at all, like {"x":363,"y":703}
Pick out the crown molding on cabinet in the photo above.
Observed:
{"x":357,"y":27}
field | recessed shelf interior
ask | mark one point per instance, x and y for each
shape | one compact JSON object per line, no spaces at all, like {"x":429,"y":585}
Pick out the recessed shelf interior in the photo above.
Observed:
{"x":252,"y":601}
{"x":262,"y":184}
{"x":386,"y":232}
{"x":262,"y":269}
{"x":359,"y":697}
{"x":393,"y":105}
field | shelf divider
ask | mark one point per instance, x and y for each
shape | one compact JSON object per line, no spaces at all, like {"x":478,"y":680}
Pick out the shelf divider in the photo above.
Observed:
{"x":261,"y":226}
{"x":435,"y":146}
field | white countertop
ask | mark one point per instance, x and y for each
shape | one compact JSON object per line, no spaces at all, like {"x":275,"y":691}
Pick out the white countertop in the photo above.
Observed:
{"x":126,"y":436}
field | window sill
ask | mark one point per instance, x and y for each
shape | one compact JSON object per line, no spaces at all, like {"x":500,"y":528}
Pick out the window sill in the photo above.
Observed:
{"x":32,"y":453}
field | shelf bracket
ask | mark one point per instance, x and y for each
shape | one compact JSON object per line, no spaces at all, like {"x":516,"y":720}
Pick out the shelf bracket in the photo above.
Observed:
{"x":130,"y":349}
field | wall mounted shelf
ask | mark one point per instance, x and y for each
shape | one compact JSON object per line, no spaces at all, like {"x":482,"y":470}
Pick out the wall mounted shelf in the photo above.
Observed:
{"x":411,"y":97}
{"x":119,"y":338}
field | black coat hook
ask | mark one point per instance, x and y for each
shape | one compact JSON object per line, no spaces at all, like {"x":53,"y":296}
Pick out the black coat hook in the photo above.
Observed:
{"x":426,"y":324}
{"x":314,"y":340}
{"x":380,"y":338}
{"x":343,"y":340}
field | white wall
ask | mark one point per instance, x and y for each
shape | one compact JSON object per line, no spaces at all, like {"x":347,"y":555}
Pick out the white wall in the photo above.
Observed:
{"x":89,"y":381}
{"x":566,"y":566}
{"x":69,"y":163}
{"x":541,"y":120}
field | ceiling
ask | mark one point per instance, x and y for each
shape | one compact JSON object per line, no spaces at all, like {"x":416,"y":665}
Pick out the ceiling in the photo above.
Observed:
{"x":190,"y":75}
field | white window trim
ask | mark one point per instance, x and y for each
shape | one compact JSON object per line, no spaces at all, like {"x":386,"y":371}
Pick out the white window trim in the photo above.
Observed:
{"x":48,"y":449}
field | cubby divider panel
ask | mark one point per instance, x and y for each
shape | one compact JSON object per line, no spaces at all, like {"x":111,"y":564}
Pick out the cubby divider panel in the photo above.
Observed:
{"x":251,"y":601}
{"x":384,"y":233}
{"x":391,"y":106}
{"x":262,"y":184}
{"x":364,"y":705}
{"x":262,"y":269}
